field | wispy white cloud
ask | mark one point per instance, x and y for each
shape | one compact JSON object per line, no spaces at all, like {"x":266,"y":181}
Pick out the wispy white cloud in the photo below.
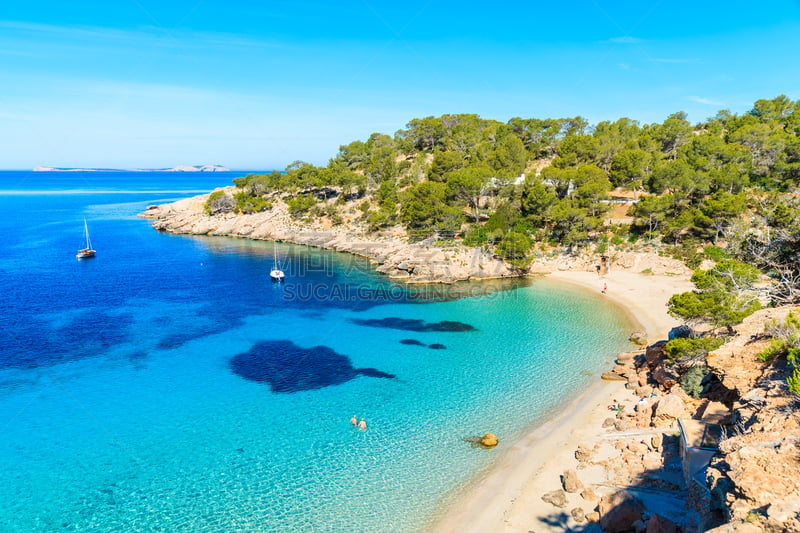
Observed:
{"x":675,"y":60}
{"x":626,"y":39}
{"x":701,"y":100}
{"x":136,"y":37}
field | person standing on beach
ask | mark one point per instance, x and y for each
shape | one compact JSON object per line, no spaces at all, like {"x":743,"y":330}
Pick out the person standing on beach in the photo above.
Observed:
{"x":605,"y":288}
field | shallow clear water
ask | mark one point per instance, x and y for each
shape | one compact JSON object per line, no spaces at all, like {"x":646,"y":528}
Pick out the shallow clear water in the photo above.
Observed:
{"x":167,"y":385}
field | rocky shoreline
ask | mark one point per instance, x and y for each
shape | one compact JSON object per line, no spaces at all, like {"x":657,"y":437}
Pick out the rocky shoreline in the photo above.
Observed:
{"x":391,"y":253}
{"x":669,"y":462}
{"x":422,"y":262}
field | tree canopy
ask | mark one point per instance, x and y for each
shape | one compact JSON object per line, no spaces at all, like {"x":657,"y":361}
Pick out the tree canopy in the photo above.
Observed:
{"x":533,"y":183}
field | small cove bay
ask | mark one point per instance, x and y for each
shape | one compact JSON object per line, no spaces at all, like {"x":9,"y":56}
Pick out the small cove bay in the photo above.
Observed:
{"x":168,"y":385}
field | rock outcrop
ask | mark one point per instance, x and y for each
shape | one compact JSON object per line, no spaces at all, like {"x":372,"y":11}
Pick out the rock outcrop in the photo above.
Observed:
{"x":754,"y":479}
{"x":410,"y":262}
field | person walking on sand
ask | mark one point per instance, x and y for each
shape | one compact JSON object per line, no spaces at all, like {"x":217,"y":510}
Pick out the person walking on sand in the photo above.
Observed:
{"x":362,"y":425}
{"x":354,"y":421}
{"x":605,"y":288}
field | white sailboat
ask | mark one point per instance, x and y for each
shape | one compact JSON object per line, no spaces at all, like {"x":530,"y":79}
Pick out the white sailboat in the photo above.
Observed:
{"x":276,"y":274}
{"x":88,"y":251}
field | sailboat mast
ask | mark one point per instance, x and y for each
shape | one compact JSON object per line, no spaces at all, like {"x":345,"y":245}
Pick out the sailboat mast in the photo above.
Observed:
{"x":86,"y":231}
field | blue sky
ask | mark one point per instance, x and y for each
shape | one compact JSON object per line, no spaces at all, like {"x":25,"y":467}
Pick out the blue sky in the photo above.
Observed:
{"x":256,"y":85}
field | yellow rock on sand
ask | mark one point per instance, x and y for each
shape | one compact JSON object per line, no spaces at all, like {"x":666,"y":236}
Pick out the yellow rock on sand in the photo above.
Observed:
{"x":489,"y":440}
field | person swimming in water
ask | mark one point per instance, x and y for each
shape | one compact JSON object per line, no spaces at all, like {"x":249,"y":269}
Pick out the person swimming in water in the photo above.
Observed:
{"x":362,"y":425}
{"x":354,"y":421}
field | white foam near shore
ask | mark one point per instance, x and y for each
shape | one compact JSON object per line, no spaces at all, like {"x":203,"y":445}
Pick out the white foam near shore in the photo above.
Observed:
{"x":507,"y":498}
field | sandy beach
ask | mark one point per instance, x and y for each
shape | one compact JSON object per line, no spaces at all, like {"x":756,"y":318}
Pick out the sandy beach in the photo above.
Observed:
{"x":508,"y":497}
{"x":643,"y":296}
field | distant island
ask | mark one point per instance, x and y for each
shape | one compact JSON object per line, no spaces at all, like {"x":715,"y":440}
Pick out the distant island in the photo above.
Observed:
{"x":179,"y":168}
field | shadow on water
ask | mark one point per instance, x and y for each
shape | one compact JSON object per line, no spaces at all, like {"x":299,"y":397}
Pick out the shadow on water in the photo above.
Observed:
{"x":414,"y":324}
{"x":412,"y":342}
{"x":290,"y":368}
{"x":415,"y":342}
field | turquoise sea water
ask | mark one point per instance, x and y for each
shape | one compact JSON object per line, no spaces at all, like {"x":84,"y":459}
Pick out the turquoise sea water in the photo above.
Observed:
{"x":167,"y":385}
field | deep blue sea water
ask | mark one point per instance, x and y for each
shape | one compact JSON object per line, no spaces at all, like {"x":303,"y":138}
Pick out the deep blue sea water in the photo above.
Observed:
{"x":168,"y":385}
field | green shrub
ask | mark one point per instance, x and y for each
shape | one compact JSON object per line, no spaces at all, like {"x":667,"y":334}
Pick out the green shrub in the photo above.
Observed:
{"x":775,"y":349}
{"x":476,"y":236}
{"x":602,"y":246}
{"x":378,"y":219}
{"x":685,"y":349}
{"x":495,"y":235}
{"x":690,"y":381}
{"x":794,"y":382}
{"x":514,"y":246}
{"x":687,"y":252}
{"x":785,"y":340}
{"x":301,"y":203}
{"x":246,"y":203}
{"x":218,"y":202}
{"x":793,"y":356}
{"x":715,"y":253}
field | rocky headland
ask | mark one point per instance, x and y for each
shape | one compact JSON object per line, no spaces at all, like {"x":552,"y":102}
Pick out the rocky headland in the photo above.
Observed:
{"x":420,"y":262}
{"x":427,"y":261}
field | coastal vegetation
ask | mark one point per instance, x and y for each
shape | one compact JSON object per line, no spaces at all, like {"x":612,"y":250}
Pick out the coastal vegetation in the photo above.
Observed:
{"x":720,"y":195}
{"x":785,"y":343}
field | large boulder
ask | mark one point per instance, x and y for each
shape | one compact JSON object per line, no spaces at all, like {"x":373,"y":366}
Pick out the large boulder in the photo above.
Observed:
{"x":655,"y":353}
{"x":570,"y":481}
{"x":557,"y":498}
{"x":656,"y":441}
{"x":583,"y":454}
{"x":669,"y":407}
{"x":763,"y":474}
{"x":680,"y":332}
{"x":638,"y":337}
{"x":578,"y":514}
{"x":489,"y":440}
{"x":619,"y":511}
{"x":665,"y":376}
{"x":590,"y":495}
{"x":639,"y":448}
